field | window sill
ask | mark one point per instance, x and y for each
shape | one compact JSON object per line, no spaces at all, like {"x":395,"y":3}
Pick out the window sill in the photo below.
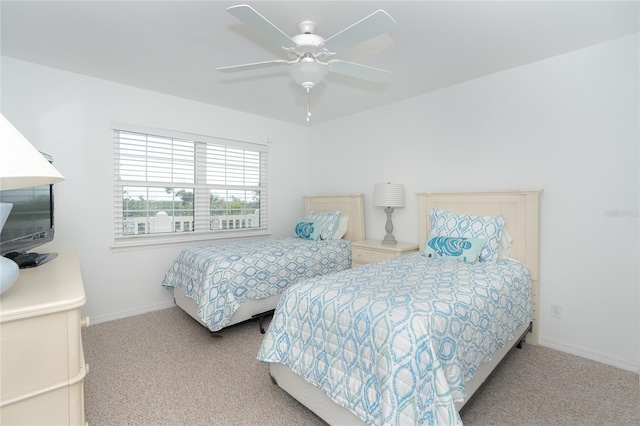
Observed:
{"x":154,"y":241}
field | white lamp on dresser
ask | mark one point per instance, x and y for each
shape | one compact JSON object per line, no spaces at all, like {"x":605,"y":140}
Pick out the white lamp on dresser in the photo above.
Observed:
{"x":21,"y":166}
{"x":388,"y":195}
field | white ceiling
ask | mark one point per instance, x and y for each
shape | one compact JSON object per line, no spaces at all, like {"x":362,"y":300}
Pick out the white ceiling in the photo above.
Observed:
{"x":174,"y":47}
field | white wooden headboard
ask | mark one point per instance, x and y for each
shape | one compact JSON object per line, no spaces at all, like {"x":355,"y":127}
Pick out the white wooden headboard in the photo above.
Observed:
{"x":521,"y":210}
{"x":353,"y":205}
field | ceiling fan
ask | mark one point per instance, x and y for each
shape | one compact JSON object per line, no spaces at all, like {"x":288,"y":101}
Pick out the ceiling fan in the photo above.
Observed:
{"x":308,"y":50}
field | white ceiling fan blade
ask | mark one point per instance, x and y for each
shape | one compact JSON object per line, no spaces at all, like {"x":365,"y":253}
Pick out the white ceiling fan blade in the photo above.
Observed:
{"x":259,"y":23}
{"x":358,"y":71}
{"x":253,"y":66}
{"x":379,"y":22}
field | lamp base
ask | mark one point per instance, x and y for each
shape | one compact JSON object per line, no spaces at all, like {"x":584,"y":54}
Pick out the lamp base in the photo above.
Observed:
{"x":8,"y":273}
{"x":389,"y":240}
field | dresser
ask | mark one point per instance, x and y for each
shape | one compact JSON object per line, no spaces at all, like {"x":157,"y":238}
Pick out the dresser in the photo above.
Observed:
{"x":42,"y":366}
{"x":368,"y":251}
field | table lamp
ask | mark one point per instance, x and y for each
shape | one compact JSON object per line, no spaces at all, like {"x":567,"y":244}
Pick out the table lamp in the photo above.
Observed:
{"x":388,"y":195}
{"x":21,"y":166}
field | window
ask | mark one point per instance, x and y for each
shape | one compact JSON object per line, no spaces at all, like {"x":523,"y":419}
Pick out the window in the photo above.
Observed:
{"x":172,"y":185}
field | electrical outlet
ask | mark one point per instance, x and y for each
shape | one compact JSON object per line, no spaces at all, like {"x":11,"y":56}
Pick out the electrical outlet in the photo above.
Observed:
{"x":556,"y":310}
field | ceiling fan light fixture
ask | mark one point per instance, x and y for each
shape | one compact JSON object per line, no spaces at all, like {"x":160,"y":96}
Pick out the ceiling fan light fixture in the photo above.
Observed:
{"x":307,"y":72}
{"x":307,"y":48}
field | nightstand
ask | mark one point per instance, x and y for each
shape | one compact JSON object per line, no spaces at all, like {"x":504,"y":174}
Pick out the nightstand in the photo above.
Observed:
{"x":363,"y":252}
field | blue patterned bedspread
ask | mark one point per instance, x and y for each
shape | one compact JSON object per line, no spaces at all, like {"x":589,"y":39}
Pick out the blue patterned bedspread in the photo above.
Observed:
{"x":220,"y":277}
{"x":395,"y":341}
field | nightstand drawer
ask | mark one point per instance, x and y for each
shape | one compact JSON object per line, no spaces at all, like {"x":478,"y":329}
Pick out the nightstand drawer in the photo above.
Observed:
{"x":368,"y":256}
{"x":369,"y":251}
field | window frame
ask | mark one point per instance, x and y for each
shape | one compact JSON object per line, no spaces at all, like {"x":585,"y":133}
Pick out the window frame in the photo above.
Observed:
{"x":202,"y":189}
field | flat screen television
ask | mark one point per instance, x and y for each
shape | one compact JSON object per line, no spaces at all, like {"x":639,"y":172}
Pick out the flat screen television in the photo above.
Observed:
{"x":30,"y":223}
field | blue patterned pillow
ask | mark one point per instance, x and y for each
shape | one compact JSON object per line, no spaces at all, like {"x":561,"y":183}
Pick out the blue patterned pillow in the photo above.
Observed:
{"x":489,"y":228}
{"x":328,"y":222}
{"x":464,"y":249}
{"x":307,"y":230}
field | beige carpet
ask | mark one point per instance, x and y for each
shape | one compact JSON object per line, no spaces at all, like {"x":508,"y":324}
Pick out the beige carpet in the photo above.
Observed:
{"x":163,"y":368}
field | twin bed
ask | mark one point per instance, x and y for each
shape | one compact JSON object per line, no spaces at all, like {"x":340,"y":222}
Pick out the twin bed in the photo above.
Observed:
{"x":406,"y":340}
{"x":220,"y":285}
{"x":409,"y":340}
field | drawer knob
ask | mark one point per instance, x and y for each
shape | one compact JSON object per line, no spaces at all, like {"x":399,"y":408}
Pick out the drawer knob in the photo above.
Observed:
{"x":84,"y":322}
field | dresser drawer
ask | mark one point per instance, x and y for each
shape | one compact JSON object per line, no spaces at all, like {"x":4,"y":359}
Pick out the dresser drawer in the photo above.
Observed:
{"x":39,"y":352}
{"x":63,"y":405}
{"x":367,"y":256}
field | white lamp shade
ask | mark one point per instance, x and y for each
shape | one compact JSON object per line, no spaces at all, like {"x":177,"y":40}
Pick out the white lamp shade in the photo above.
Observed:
{"x":307,"y":72}
{"x":21,"y":164}
{"x":388,"y":195}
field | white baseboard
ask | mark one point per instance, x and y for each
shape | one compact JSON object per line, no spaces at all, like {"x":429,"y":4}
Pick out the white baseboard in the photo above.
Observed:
{"x":130,"y":313}
{"x":589,"y":354}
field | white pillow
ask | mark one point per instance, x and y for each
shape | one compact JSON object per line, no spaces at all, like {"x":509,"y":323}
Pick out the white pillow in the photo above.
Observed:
{"x":504,"y":248}
{"x":341,"y":229}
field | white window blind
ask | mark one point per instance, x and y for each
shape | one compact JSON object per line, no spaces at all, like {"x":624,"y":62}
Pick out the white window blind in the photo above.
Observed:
{"x":171,"y":184}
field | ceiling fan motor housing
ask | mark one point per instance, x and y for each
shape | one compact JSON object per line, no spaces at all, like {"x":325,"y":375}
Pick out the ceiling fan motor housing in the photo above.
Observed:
{"x":308,"y":43}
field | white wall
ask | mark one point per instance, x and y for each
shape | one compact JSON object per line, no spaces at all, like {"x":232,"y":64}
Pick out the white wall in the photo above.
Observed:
{"x":567,"y":125}
{"x":68,"y":116}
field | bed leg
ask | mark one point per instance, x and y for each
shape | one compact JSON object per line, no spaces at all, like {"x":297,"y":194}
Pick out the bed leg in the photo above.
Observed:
{"x":524,"y":336}
{"x":262,"y":330}
{"x":261,"y":318}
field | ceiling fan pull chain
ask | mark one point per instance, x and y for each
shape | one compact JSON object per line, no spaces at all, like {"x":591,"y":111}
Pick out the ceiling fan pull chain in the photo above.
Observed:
{"x":308,"y":104}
